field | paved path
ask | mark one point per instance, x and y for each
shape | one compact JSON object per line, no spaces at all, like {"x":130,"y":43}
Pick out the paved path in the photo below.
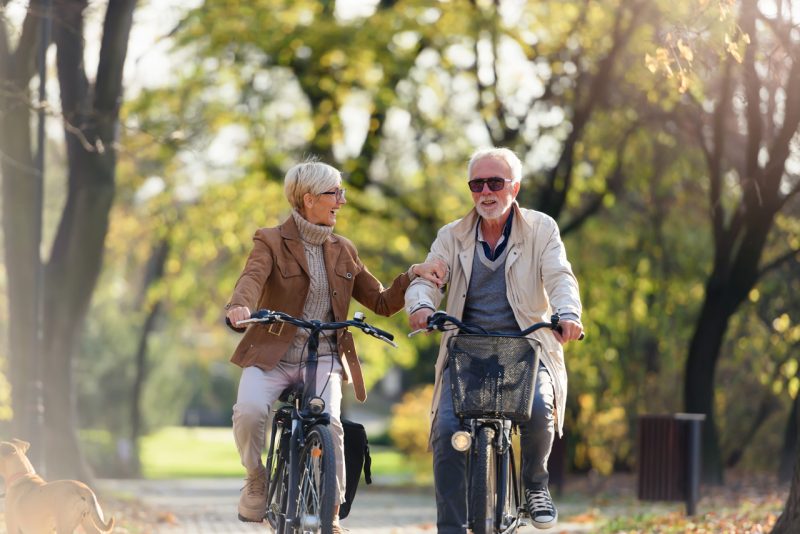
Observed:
{"x":209,"y":506}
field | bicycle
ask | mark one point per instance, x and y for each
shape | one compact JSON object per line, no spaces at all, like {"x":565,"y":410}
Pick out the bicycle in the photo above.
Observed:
{"x":301,"y":465}
{"x":492,"y":377}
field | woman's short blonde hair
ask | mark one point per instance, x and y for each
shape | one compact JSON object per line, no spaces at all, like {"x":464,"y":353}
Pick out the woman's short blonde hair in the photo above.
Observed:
{"x":309,"y":177}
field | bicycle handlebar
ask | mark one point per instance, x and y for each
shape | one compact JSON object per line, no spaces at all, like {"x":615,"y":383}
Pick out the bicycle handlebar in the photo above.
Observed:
{"x":439,"y":319}
{"x":271,"y":316}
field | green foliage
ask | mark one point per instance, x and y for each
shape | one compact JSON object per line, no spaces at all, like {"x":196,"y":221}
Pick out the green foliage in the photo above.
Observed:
{"x":409,"y":429}
{"x":407,"y":434}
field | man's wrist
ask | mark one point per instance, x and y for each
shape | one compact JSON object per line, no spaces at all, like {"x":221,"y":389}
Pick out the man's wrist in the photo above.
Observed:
{"x":420,"y":306}
{"x":411,"y":274}
{"x":569,"y":316}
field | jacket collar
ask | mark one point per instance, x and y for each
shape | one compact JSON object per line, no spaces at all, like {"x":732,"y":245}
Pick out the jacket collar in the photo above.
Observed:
{"x":290,"y":234}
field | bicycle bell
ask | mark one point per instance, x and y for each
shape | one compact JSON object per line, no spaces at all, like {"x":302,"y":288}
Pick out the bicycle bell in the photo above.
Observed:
{"x":358,"y":316}
{"x":316,"y":405}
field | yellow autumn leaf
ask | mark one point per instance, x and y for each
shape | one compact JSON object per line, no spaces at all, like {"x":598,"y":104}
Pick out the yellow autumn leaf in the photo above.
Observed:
{"x":685,"y":51}
{"x":651,"y":63}
{"x":683,"y":82}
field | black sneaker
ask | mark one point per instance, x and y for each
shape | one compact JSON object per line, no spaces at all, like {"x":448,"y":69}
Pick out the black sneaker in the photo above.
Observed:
{"x":541,"y":508}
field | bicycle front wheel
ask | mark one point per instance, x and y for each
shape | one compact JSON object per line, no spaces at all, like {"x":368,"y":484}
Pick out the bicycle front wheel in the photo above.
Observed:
{"x":317,"y":497}
{"x":484,"y":490}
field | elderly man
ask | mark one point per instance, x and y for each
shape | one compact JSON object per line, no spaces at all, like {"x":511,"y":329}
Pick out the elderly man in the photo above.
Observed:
{"x":507,"y":269}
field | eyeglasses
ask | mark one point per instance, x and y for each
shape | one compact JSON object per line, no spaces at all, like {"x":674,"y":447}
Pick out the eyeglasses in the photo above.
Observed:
{"x":495,"y":183}
{"x":339,"y":192}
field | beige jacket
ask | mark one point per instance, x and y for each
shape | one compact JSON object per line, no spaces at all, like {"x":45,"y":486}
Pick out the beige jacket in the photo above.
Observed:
{"x":539,"y":280}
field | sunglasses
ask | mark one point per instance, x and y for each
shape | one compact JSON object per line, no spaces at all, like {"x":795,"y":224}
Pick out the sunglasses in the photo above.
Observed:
{"x":495,"y":184}
{"x":339,"y":192}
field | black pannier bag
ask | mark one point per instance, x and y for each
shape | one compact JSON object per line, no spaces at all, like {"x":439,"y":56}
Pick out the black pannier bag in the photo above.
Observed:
{"x":356,"y":458}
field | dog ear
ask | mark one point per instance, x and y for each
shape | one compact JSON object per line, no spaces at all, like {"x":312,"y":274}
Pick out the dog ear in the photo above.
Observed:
{"x":7,"y":449}
{"x":23,"y":446}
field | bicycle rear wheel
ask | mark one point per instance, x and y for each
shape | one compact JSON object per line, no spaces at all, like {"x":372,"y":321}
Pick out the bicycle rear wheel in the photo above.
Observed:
{"x":317,"y":497}
{"x":484,"y":479}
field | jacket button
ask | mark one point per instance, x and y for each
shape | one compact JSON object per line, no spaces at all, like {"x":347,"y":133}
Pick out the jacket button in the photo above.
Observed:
{"x":334,"y":293}
{"x":349,"y":275}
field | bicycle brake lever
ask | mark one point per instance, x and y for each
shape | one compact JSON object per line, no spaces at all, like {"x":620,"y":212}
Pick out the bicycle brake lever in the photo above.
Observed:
{"x":417,"y":331}
{"x":387,"y":341}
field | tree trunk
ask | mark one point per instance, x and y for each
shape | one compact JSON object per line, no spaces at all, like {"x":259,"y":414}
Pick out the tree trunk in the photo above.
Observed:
{"x":699,"y":379}
{"x":21,"y":220}
{"x":790,"y":449}
{"x":789,"y":521}
{"x":153,"y":273}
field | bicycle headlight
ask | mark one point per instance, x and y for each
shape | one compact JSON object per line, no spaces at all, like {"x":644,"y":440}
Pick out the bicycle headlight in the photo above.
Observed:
{"x":461,"y":440}
{"x":316,"y":406}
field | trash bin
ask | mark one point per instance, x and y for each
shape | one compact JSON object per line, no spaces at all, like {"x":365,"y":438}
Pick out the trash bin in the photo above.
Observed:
{"x":669,"y":458}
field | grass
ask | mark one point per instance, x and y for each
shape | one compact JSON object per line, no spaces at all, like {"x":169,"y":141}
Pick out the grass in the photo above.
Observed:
{"x":203,"y":452}
{"x":183,"y":452}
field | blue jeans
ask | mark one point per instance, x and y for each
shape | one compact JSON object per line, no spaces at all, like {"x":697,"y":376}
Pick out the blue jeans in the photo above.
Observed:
{"x":449,"y":465}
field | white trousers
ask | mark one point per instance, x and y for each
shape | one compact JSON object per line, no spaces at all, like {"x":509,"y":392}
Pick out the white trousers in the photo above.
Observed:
{"x":258,"y":391}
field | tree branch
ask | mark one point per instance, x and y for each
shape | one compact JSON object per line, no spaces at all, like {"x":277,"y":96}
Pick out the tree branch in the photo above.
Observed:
{"x":68,"y":36}
{"x":113,"y":50}
{"x":779,"y":149}
{"x":22,"y":65}
{"x":554,"y":194}
{"x":751,"y":179}
{"x":715,"y":161}
{"x":779,"y":261}
{"x":613,"y":184}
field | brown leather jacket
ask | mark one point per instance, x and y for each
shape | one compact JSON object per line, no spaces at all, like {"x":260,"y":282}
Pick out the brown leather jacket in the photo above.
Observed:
{"x":276,"y":277}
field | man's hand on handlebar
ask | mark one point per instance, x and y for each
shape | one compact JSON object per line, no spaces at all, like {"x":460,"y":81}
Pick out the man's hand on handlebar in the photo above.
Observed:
{"x":568,"y":331}
{"x":236,"y":314}
{"x":419,"y":319}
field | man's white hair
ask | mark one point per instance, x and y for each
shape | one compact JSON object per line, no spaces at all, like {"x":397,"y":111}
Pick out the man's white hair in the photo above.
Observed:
{"x":500,"y":153}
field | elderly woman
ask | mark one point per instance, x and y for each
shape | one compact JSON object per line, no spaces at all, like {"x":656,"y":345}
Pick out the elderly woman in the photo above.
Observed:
{"x":302,"y":268}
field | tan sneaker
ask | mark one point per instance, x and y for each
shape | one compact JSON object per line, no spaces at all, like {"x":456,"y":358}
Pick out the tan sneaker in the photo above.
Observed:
{"x":253,"y":500}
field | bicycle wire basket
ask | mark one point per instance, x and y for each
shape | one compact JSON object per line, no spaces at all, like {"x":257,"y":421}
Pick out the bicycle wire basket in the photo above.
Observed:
{"x":492,"y":376}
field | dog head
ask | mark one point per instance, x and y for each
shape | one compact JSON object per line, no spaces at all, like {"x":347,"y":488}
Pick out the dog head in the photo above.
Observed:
{"x":13,"y":459}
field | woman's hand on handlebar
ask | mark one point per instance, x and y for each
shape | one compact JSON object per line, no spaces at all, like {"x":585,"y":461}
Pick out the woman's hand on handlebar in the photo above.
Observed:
{"x":236,"y":314}
{"x":568,"y":331}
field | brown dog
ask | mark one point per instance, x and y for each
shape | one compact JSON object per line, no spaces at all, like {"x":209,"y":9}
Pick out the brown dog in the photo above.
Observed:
{"x":34,"y":506}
